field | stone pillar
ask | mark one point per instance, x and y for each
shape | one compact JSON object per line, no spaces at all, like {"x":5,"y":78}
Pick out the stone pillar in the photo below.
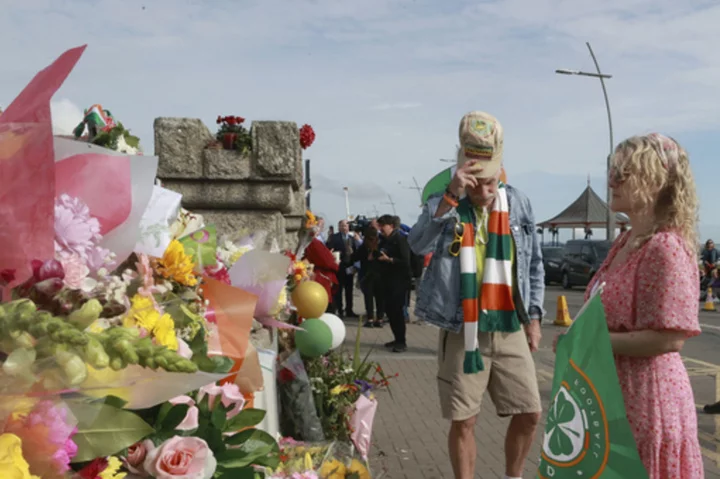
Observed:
{"x":262,"y":190}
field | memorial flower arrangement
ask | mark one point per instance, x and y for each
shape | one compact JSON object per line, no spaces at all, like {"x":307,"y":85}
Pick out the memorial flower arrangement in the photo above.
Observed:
{"x":232,"y":133}
{"x":338,"y":381}
{"x":307,"y":136}
{"x":318,"y":461}
{"x":115,"y":361}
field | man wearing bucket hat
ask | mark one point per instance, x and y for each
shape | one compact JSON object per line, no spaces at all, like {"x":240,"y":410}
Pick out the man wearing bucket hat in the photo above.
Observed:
{"x":484,"y":287}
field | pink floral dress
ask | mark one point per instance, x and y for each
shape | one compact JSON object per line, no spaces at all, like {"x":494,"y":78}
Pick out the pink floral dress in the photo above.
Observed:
{"x":656,"y":288}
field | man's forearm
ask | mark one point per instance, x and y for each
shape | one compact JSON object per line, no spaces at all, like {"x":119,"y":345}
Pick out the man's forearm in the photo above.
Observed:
{"x":443,"y":208}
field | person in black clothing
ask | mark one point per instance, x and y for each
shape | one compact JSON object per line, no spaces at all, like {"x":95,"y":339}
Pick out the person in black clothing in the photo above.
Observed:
{"x":346,"y":243}
{"x":370,"y":277}
{"x":710,"y":257}
{"x":396,"y":278}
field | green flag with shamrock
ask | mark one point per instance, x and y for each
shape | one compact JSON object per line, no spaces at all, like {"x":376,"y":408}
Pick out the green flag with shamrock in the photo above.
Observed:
{"x":587,"y":434}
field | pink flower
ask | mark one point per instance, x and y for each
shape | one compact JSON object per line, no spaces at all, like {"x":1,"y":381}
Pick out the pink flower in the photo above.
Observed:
{"x":47,"y":429}
{"x":181,"y":457}
{"x":134,"y":462}
{"x":218,"y":272}
{"x":75,"y":271}
{"x":146,"y":273}
{"x":191,"y":418}
{"x":75,"y":230}
{"x":229,"y":393}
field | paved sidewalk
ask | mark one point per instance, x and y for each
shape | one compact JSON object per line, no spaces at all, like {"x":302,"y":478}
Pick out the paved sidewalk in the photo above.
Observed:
{"x":409,"y":436}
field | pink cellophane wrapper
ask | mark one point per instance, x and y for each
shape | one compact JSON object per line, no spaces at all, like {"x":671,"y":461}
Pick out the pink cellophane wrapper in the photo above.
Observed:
{"x":27,"y":177}
{"x":95,"y":175}
{"x":362,"y":424}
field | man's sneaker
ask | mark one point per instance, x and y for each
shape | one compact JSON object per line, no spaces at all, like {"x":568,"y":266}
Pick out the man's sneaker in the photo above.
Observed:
{"x":399,"y":348}
{"x":351,"y":315}
{"x":390,"y":345}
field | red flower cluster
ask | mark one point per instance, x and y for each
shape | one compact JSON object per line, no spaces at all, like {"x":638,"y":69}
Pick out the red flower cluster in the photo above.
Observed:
{"x":307,"y":136}
{"x":230,"y":120}
{"x":93,"y":470}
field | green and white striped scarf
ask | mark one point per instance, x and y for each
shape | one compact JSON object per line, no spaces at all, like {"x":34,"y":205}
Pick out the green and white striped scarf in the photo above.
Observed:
{"x":496,"y":310}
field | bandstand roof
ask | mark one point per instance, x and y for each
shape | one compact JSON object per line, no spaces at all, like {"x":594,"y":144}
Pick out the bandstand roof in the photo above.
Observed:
{"x":587,"y":211}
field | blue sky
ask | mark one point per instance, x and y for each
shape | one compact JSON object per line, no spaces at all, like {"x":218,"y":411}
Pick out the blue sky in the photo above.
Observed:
{"x":385,"y":82}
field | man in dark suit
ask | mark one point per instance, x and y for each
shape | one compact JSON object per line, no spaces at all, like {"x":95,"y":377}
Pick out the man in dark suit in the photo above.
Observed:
{"x":345,"y":243}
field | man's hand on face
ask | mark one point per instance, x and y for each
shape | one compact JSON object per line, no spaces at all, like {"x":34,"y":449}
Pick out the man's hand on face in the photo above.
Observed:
{"x":465,"y":177}
{"x":534,"y":334}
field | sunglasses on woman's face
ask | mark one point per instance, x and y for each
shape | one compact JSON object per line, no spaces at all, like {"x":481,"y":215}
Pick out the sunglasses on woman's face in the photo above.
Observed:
{"x":454,"y":248}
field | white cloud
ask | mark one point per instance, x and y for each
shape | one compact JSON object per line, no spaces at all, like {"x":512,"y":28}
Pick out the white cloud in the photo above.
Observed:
{"x":384,"y":82}
{"x":65,"y":116}
{"x":396,"y":106}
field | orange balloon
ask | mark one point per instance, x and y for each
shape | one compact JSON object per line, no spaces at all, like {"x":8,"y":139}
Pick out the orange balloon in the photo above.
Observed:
{"x":503,"y":176}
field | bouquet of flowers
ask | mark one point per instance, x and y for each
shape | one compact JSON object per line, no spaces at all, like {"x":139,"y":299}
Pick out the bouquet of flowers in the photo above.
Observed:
{"x":111,"y":360}
{"x":318,"y":461}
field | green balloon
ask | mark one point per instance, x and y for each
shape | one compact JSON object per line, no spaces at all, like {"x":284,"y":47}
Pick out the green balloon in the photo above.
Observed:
{"x":314,"y":339}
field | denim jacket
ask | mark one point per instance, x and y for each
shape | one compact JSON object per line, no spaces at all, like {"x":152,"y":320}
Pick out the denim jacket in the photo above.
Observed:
{"x":438,"y":297}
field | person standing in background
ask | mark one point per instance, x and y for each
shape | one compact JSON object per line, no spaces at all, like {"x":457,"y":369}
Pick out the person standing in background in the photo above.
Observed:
{"x":370,"y":277}
{"x":321,"y":229}
{"x":345,"y":243}
{"x":396,"y":278}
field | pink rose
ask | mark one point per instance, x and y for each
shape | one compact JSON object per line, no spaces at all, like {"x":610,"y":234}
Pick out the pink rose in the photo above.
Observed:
{"x":229,"y":393}
{"x":75,"y":269}
{"x":136,"y":457}
{"x":191,"y":418}
{"x":181,"y":458}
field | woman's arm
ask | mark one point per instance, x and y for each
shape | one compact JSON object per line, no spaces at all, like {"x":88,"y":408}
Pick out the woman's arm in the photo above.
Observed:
{"x":647,"y":342}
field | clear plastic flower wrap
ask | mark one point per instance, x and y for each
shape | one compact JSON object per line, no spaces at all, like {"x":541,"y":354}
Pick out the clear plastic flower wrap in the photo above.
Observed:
{"x":298,"y":415}
{"x":321,"y":460}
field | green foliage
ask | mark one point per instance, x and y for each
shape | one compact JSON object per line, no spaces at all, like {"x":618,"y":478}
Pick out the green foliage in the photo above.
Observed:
{"x":109,"y":139}
{"x":337,"y":382}
{"x":215,"y":364}
{"x":236,"y":453}
{"x":243,"y":141}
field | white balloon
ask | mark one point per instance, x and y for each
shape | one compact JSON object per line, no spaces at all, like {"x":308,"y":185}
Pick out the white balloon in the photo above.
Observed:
{"x":337,"y":328}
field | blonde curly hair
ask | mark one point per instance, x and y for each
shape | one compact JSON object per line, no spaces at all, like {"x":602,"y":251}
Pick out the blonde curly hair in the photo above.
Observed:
{"x":657,"y":171}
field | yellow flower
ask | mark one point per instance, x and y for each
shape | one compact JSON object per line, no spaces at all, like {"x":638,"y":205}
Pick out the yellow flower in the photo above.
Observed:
{"x":142,"y":314}
{"x":112,"y":471}
{"x":164,"y":332}
{"x":12,"y":463}
{"x":310,"y":219}
{"x":281,"y":303}
{"x":177,"y":265}
{"x":358,"y":468}
{"x":339,"y":389}
{"x":332,"y":469}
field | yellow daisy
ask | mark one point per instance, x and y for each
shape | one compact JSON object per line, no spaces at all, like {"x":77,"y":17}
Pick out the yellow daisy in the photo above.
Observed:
{"x":177,"y":265}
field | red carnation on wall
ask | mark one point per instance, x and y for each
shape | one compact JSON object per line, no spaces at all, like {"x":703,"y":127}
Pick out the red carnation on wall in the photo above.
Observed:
{"x":307,"y":136}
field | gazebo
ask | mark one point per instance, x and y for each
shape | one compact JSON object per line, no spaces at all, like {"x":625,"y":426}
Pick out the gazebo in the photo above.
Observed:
{"x":587,"y":211}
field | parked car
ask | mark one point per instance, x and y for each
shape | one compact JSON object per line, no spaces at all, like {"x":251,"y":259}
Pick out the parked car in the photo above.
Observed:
{"x":552,"y":261}
{"x":581,"y":259}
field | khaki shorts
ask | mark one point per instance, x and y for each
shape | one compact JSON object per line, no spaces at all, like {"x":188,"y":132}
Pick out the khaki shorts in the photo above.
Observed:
{"x":509,"y":376}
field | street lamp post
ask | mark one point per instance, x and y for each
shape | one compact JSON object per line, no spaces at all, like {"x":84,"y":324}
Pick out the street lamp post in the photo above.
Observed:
{"x":601,"y":76}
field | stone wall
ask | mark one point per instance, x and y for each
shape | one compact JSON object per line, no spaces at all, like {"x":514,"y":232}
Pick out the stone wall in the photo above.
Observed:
{"x":262,"y":190}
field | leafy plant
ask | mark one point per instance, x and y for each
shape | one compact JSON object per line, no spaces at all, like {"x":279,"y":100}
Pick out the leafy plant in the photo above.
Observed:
{"x":338,"y":380}
{"x":234,"y":125}
{"x":109,"y":139}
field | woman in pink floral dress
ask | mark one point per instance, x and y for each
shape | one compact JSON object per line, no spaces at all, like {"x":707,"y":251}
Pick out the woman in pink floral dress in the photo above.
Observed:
{"x":650,"y":299}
